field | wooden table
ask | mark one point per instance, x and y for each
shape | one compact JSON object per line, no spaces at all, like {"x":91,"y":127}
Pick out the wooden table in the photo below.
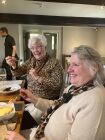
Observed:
{"x":8,"y":97}
{"x":19,"y":107}
{"x":14,"y":95}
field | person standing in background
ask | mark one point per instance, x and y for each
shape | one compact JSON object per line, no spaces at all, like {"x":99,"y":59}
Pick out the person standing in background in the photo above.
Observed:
{"x":10,"y":50}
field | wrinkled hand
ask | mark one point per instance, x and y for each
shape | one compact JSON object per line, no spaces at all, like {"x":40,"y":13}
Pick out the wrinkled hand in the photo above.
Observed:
{"x":11,"y":61}
{"x":28,"y":95}
{"x":34,"y":74}
{"x":11,"y":135}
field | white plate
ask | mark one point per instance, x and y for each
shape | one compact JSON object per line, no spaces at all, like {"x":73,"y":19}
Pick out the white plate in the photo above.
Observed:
{"x":10,"y":115}
{"x":10,"y":82}
{"x":13,"y":88}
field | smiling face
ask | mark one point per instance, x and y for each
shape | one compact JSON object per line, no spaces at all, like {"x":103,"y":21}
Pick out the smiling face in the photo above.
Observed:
{"x":38,"y":50}
{"x":78,"y":71}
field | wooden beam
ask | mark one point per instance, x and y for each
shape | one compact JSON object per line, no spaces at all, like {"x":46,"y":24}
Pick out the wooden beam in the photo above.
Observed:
{"x":50,"y":20}
{"x":91,"y":2}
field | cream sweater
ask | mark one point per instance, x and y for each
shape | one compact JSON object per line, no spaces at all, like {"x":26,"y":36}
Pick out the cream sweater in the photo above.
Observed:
{"x":82,"y":118}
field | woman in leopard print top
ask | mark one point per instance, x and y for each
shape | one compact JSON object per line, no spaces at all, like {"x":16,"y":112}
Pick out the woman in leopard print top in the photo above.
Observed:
{"x":44,"y":73}
{"x":44,"y":77}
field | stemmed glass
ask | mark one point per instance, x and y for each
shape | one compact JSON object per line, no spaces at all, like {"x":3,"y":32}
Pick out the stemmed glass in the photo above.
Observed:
{"x":2,"y":74}
{"x":66,"y":79}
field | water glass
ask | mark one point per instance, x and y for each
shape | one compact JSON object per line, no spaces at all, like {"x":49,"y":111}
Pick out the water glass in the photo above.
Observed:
{"x":2,"y":74}
{"x":66,"y":79}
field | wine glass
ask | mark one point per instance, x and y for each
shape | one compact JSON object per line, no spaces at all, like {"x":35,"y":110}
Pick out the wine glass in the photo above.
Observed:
{"x":66,"y":79}
{"x":2,"y":74}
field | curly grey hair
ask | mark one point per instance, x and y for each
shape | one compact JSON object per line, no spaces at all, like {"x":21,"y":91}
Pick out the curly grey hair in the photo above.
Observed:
{"x":93,"y":61}
{"x":37,"y":39}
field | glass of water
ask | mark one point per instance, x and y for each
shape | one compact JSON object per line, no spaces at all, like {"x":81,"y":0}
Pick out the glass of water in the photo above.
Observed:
{"x":2,"y":74}
{"x":66,"y":79}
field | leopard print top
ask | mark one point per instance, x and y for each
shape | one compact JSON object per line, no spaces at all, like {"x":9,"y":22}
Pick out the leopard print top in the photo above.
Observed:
{"x":51,"y":72}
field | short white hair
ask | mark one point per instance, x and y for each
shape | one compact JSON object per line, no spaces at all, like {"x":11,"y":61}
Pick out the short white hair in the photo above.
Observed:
{"x":37,"y":39}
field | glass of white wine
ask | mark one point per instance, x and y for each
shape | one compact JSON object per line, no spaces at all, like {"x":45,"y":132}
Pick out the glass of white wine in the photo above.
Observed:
{"x":2,"y":74}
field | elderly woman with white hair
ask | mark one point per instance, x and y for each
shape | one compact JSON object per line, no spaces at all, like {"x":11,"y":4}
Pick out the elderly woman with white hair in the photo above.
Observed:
{"x":44,"y":75}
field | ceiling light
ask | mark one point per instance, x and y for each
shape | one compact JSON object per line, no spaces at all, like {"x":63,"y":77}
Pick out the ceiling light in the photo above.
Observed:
{"x":3,"y":2}
{"x":102,"y":7}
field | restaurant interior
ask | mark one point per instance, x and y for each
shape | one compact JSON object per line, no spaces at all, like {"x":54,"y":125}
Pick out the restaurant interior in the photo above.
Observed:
{"x":81,"y":23}
{"x":65,"y":23}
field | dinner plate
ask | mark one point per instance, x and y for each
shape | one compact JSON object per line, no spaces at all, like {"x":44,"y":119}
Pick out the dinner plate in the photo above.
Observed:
{"x":9,"y":115}
{"x":6,"y":89}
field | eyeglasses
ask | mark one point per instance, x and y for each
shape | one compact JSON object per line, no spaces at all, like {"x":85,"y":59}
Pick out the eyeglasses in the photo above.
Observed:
{"x":35,"y":47}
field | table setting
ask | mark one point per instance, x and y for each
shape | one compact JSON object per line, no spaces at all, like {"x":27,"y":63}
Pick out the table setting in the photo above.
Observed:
{"x":11,"y":108}
{"x":10,"y":89}
{"x":10,"y":117}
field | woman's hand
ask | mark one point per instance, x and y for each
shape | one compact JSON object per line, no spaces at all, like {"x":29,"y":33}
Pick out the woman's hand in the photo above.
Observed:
{"x":33,"y":74}
{"x":11,"y":61}
{"x":11,"y":135}
{"x":28,"y":95}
